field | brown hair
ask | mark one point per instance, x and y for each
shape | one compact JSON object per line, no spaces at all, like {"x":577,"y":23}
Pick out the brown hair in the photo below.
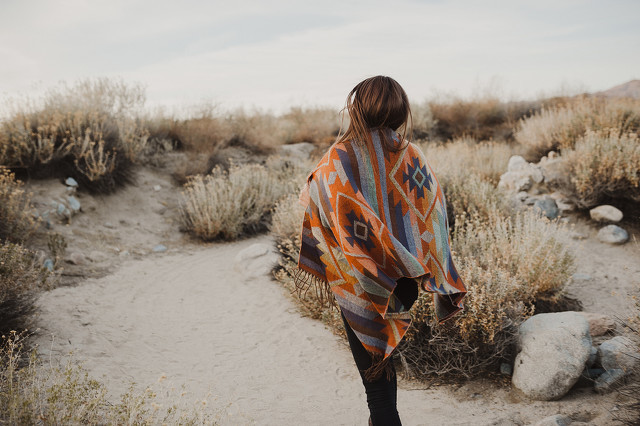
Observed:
{"x":374,"y":104}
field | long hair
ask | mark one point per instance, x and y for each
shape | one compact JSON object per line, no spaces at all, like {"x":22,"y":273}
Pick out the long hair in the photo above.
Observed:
{"x":375,"y":104}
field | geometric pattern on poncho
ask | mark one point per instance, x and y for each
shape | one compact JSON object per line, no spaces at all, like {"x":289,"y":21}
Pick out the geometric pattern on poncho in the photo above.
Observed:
{"x":372,"y":217}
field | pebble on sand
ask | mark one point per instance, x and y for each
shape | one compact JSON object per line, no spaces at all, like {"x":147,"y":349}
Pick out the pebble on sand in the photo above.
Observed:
{"x":605,"y":213}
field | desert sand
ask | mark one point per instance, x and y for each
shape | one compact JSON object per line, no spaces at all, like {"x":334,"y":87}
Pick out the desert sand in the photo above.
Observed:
{"x":218,"y":329}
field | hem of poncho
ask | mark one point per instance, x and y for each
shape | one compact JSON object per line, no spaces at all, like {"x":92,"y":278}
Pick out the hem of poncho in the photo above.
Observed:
{"x":304,"y":280}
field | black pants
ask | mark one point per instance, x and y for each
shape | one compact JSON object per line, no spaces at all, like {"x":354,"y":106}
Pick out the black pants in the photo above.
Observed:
{"x":381,"y":394}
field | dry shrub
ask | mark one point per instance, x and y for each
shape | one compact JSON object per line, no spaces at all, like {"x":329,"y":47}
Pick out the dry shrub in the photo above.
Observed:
{"x":560,"y":126}
{"x":603,"y":165}
{"x":87,"y":131}
{"x":21,"y":275}
{"x":482,"y":119}
{"x":488,"y":160}
{"x":228,"y":204}
{"x":37,"y":392}
{"x":17,"y":214}
{"x":507,"y":264}
{"x":315,"y":125}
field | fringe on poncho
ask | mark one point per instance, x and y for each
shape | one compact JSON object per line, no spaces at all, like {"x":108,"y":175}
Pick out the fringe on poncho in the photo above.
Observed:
{"x":374,"y":216}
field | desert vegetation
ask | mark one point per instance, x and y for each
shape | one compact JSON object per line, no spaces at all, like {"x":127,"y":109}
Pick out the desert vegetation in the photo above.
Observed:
{"x":235,"y":180}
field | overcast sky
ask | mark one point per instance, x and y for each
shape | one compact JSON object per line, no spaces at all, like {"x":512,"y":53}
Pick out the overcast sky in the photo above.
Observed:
{"x":274,"y":54}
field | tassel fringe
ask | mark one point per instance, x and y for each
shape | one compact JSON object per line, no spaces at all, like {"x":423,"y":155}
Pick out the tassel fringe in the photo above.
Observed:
{"x":304,"y":281}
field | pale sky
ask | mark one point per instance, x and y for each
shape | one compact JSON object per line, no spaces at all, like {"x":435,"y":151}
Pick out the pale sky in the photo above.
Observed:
{"x":276,"y":54}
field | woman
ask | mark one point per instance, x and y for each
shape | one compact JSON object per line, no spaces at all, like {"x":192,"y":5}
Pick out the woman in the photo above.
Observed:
{"x":375,"y":231}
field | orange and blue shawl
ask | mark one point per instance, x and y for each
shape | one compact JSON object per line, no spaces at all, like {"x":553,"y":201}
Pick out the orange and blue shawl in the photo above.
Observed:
{"x":372,"y":217}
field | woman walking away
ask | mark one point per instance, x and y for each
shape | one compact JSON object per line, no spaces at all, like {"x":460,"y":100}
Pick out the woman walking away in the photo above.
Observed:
{"x":375,"y":231}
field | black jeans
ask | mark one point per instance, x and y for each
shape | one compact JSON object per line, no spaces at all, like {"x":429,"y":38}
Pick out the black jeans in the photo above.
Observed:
{"x":381,"y":394}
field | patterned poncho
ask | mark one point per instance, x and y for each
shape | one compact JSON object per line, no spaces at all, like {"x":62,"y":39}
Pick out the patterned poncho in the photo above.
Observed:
{"x":372,"y":217}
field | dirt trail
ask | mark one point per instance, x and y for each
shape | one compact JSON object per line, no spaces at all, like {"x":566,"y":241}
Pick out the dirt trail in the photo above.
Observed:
{"x":202,"y":321}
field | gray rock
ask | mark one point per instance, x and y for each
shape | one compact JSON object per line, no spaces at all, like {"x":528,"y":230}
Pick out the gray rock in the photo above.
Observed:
{"x":613,"y":234}
{"x":515,"y":181}
{"x":109,"y":225}
{"x":71,"y":182}
{"x":157,"y":188}
{"x":300,"y":151}
{"x":160,"y":248}
{"x":506,"y":369}
{"x":76,"y":258}
{"x":609,"y":380}
{"x":48,"y":263}
{"x":593,"y":356}
{"x":522,"y":196}
{"x":554,"y":349}
{"x":557,"y":420}
{"x":74,"y":204}
{"x":618,"y":353}
{"x":578,"y":235}
{"x":605,"y":213}
{"x":548,"y":207}
{"x":256,"y":260}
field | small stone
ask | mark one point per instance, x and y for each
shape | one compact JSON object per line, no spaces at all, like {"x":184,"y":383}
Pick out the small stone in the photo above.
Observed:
{"x":609,"y":380}
{"x":71,"y":182}
{"x":548,"y":207}
{"x":557,"y":420}
{"x":613,"y":234}
{"x":48,"y":263}
{"x":552,"y":154}
{"x":97,"y":256}
{"x":74,"y":204}
{"x":605,"y":213}
{"x":124,"y":253}
{"x":76,"y":258}
{"x":61,"y":208}
{"x":581,"y":277}
{"x":599,"y":324}
{"x":160,"y":248}
{"x":564,"y":206}
{"x":108,"y":225}
{"x":578,"y":235}
{"x":522,"y":196}
{"x":506,"y":369}
{"x":618,"y":353}
{"x":157,"y":188}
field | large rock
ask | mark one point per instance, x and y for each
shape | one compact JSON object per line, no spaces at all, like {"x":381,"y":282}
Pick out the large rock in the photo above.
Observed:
{"x":609,"y":380}
{"x":605,"y":213}
{"x":613,"y":234}
{"x":299,"y":151}
{"x":256,"y":260}
{"x":618,"y":353}
{"x":520,"y":175}
{"x":599,"y":324}
{"x":554,"y":349}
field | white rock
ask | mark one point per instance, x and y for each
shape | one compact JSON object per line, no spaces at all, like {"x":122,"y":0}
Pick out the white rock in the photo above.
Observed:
{"x":554,"y":349}
{"x":613,"y":234}
{"x":605,"y":213}
{"x":515,"y":181}
{"x":516,"y":163}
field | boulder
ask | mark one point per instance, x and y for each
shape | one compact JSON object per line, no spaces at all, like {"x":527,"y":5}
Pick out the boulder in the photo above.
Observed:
{"x":554,"y":349}
{"x":256,"y":260}
{"x":599,"y":324}
{"x":613,"y":234}
{"x":605,"y":213}
{"x":547,"y":206}
{"x":299,"y":151}
{"x":516,"y":163}
{"x":557,"y":420}
{"x":618,"y":353}
{"x":515,"y":181}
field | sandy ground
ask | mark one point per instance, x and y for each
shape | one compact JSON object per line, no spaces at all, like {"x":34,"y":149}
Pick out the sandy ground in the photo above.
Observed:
{"x":220,"y":328}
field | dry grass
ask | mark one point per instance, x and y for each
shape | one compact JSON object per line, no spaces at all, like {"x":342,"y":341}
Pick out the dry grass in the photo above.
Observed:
{"x":228,"y":204}
{"x":603,"y":165}
{"x":559,"y":127}
{"x":87,"y":131}
{"x":21,"y":276}
{"x":37,"y":392}
{"x":17,"y":215}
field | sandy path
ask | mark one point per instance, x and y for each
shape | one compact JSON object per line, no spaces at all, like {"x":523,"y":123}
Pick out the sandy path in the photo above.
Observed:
{"x":199,"y":320}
